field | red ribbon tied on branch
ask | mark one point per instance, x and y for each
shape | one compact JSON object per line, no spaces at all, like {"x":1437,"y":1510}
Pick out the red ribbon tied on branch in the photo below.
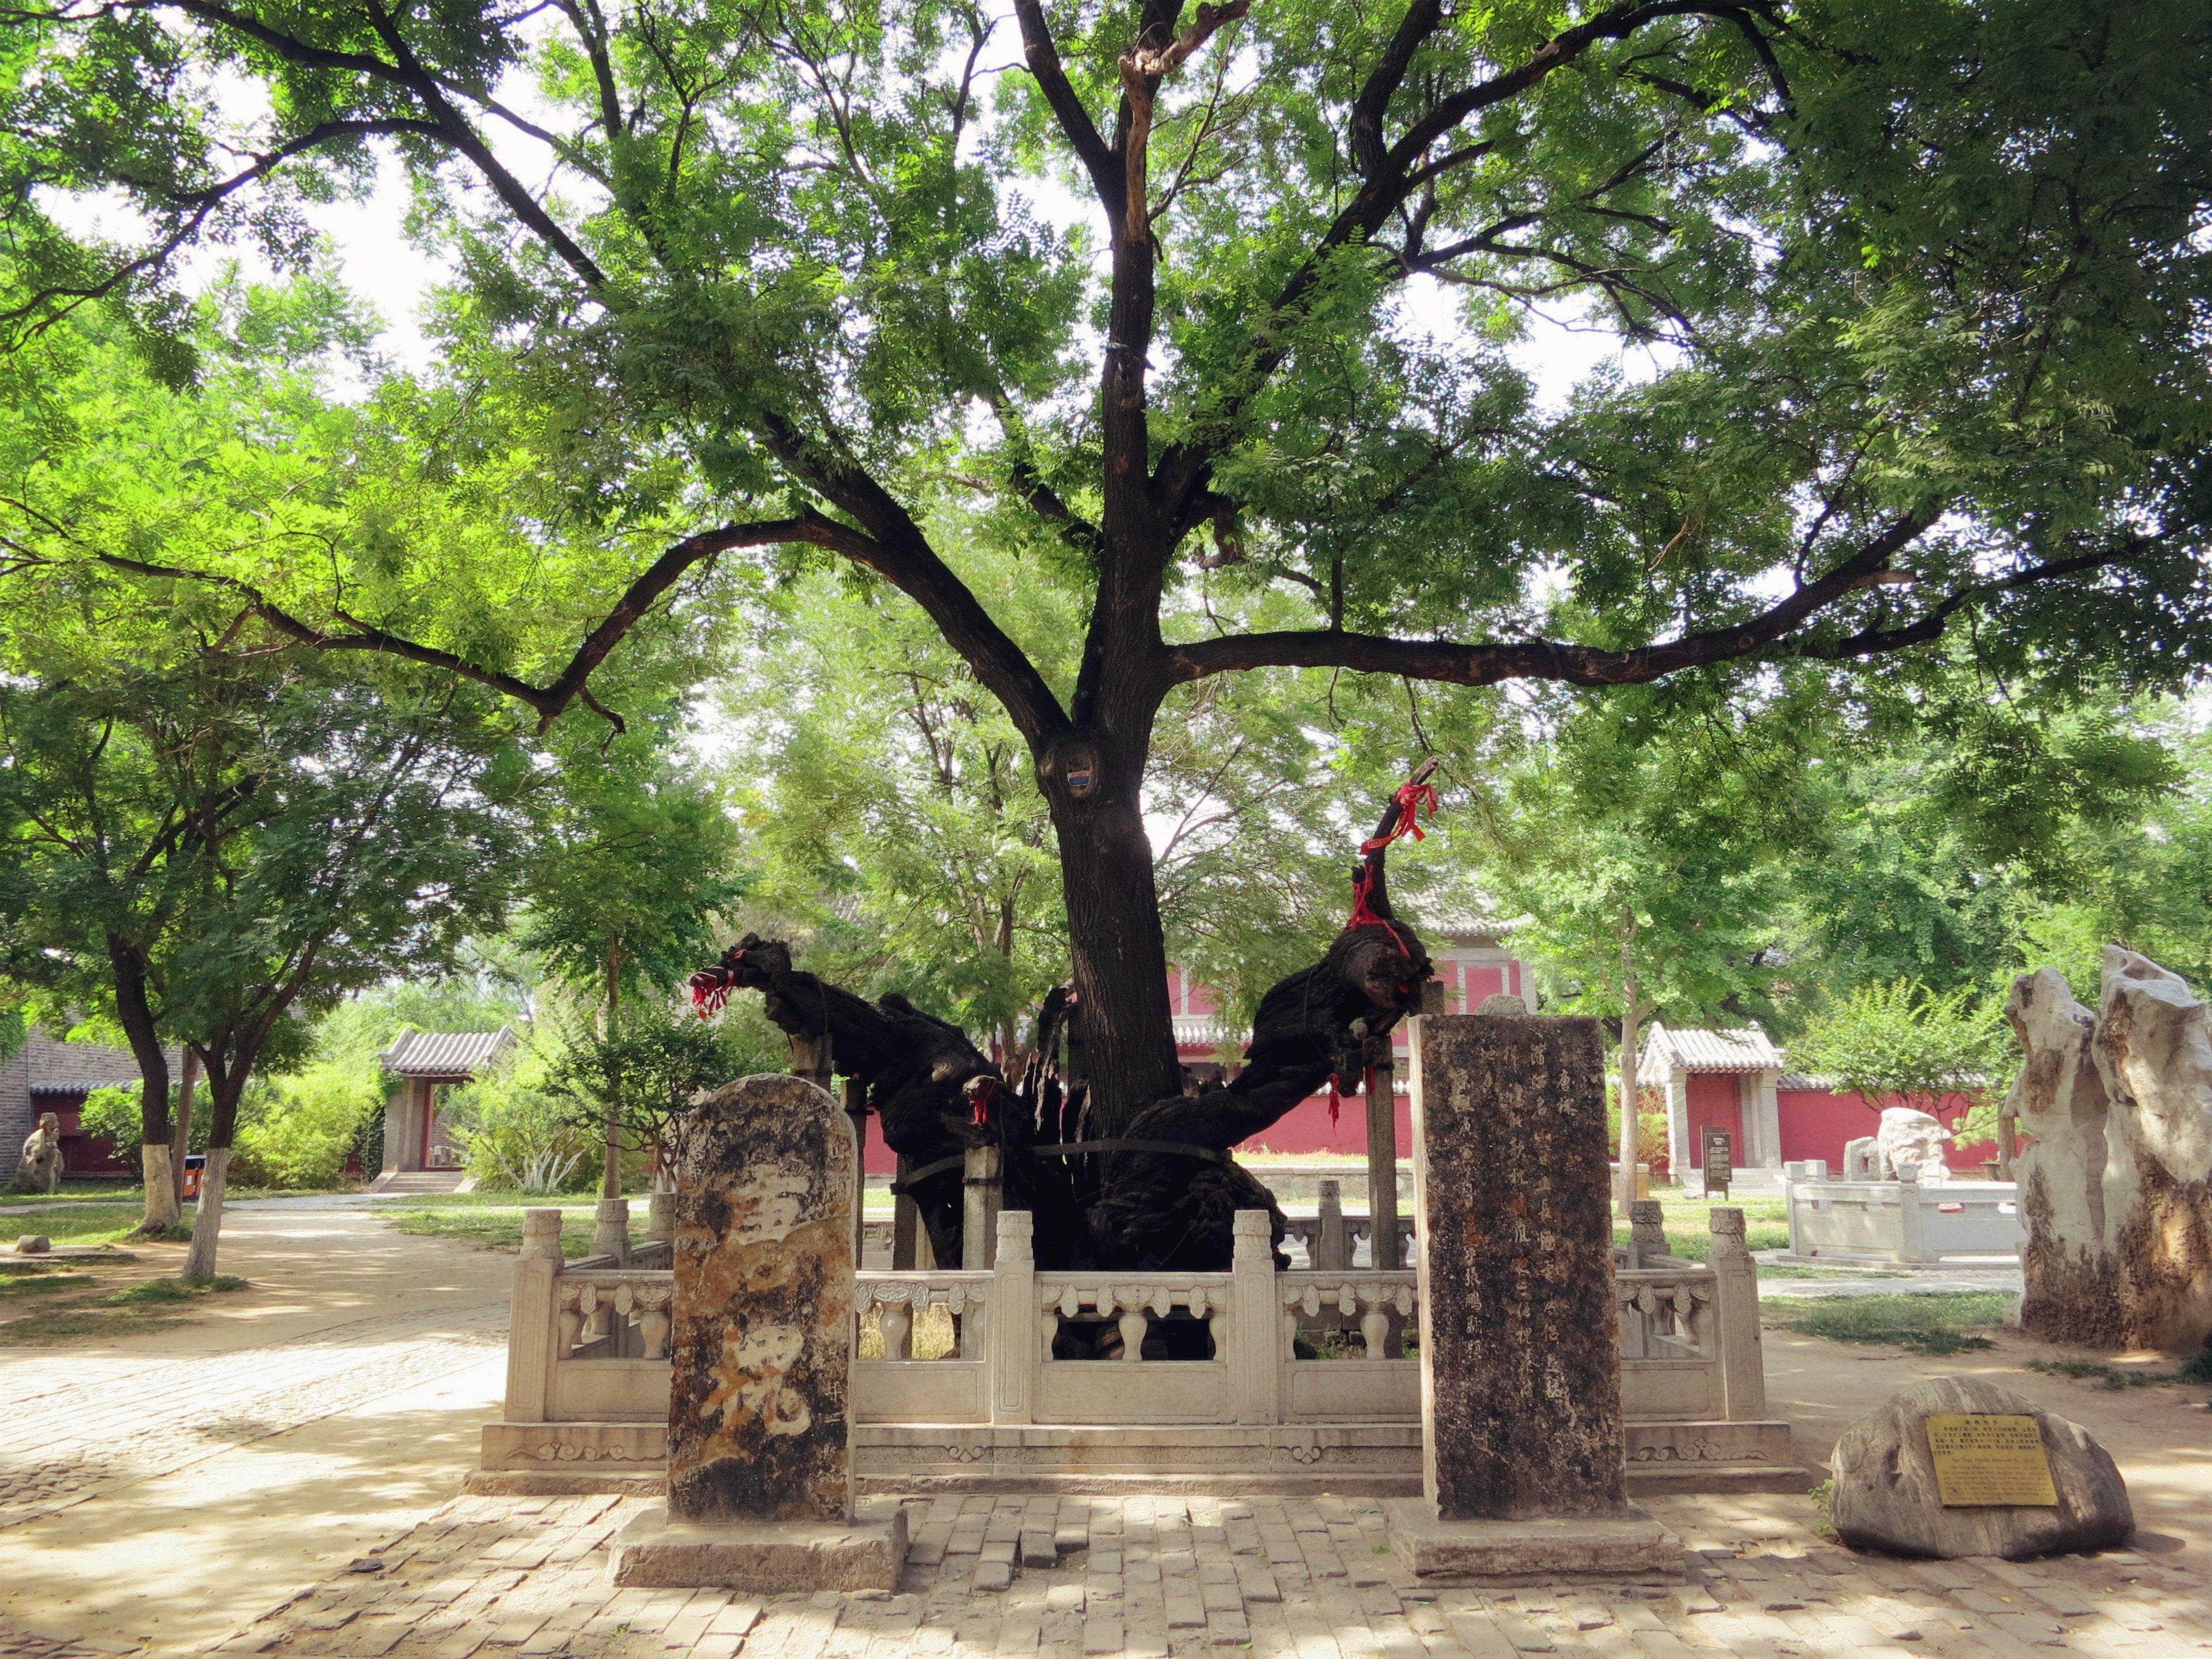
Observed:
{"x":1415,"y":801}
{"x":710,"y":991}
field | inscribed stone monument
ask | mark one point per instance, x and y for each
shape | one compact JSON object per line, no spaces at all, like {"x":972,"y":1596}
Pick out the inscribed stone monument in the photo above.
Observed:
{"x":763,"y":1333}
{"x":760,"y":1474}
{"x":1523,"y":1451}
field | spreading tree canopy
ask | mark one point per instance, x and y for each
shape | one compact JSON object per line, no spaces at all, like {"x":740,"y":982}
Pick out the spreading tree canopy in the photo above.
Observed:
{"x":1925,"y":283}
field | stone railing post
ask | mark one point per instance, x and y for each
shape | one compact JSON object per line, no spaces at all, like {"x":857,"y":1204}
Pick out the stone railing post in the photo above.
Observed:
{"x":660,"y":1217}
{"x":1256,"y":1364}
{"x":1735,"y":1294}
{"x":1332,"y":1251}
{"x":1911,"y":1225}
{"x":611,"y":1229}
{"x":529,"y":1322}
{"x":1011,"y":1329}
{"x":1647,"y":1231}
{"x":979,"y":1214}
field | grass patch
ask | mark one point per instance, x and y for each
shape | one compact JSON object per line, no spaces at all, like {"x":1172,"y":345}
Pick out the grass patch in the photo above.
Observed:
{"x":34,"y":1285}
{"x":95,"y":1224}
{"x":1925,"y":1322}
{"x":2197,"y":1367}
{"x":501,"y":1230}
{"x":156,"y":1292}
{"x":71,"y":1193}
{"x":1689,"y":1237}
{"x":1780,"y":1270}
{"x":2112,"y":1378}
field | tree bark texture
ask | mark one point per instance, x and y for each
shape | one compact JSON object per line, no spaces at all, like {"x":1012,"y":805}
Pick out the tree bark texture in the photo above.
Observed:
{"x":1118,"y":955}
{"x":134,"y":1014}
{"x":207,"y":1219}
{"x":162,"y":1207}
{"x":180,"y":1141}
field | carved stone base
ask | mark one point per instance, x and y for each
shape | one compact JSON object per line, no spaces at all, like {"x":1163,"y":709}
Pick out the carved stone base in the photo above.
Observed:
{"x":577,"y":1448}
{"x":1672,"y":1457}
{"x":1373,"y":1459}
{"x":1629,"y":1549}
{"x":762,"y":1557}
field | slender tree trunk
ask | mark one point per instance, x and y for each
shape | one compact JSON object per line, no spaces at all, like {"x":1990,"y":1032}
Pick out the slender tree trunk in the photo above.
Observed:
{"x":1629,"y":1016}
{"x":180,"y":1142}
{"x":136,"y":1015}
{"x":610,"y":1167}
{"x":224,"y":1092}
{"x":207,"y":1219}
{"x":1121,"y":966}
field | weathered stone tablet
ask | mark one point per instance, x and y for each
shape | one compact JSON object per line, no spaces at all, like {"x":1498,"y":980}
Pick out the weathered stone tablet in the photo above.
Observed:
{"x":763,"y":1332}
{"x":1520,"y":1354}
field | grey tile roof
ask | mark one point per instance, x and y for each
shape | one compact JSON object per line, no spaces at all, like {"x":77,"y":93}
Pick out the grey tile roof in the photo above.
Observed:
{"x":1746,"y":1050}
{"x":445,"y":1053}
{"x":60,"y":1068}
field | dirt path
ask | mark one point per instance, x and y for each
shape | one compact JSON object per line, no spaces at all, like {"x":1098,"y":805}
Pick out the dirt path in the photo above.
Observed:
{"x":163,"y":1488}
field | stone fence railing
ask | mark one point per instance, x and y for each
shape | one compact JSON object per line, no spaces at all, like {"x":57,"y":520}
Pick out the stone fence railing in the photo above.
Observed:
{"x":1040,"y":1372}
{"x":1910,"y":1223}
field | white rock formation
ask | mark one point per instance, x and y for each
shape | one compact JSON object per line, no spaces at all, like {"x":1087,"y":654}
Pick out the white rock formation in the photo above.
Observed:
{"x":2116,"y":1188}
{"x":1912,"y":1140}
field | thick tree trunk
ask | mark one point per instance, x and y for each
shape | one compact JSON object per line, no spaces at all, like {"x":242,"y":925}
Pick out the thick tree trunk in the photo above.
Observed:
{"x":136,"y":1015}
{"x":1121,"y":966}
{"x":207,"y":1219}
{"x":162,"y":1207}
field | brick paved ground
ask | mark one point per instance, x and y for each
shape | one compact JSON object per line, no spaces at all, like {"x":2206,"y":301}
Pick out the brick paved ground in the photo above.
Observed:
{"x":1303,"y":1578}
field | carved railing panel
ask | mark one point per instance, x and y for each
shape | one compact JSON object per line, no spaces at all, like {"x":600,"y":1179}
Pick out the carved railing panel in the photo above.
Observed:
{"x":1361,"y":1300}
{"x":891,"y":1304}
{"x":612,"y":1314}
{"x":1132,"y":1305}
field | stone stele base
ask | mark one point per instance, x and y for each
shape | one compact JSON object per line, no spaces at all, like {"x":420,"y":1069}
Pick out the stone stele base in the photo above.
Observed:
{"x":1625,"y":1549}
{"x":764,"y":1557}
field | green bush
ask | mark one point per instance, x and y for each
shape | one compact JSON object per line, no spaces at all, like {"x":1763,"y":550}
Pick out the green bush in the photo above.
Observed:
{"x":296,"y":1131}
{"x":516,"y":1129}
{"x":113,"y":1113}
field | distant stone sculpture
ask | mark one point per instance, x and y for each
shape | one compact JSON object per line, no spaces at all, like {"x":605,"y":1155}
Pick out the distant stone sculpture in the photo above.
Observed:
{"x":1504,"y":1004}
{"x":1907,"y":1140}
{"x":1887,"y":1497}
{"x":2116,"y":1188}
{"x":1912,"y":1140}
{"x":40,"y":1169}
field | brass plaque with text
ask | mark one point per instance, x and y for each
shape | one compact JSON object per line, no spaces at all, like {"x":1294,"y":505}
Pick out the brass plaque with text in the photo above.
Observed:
{"x":1982,"y":1461}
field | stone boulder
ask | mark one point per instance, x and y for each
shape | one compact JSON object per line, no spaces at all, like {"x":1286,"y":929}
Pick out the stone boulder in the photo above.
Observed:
{"x":1910,"y":1140}
{"x":35,"y":1244}
{"x":1885,"y":1495}
{"x":2116,"y":1188}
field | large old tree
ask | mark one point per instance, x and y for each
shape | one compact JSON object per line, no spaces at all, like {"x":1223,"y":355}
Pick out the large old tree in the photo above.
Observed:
{"x":1923,"y":284}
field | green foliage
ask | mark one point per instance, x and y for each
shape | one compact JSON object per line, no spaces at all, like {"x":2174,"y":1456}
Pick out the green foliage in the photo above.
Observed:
{"x":296,"y":1129}
{"x":113,"y":1112}
{"x":633,"y":854}
{"x":1930,"y":1050}
{"x":514,"y":1128}
{"x":642,"y":1075}
{"x":1651,"y":836}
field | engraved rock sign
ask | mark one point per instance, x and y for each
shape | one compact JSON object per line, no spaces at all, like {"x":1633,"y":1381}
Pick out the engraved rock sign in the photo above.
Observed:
{"x":762,"y":1331}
